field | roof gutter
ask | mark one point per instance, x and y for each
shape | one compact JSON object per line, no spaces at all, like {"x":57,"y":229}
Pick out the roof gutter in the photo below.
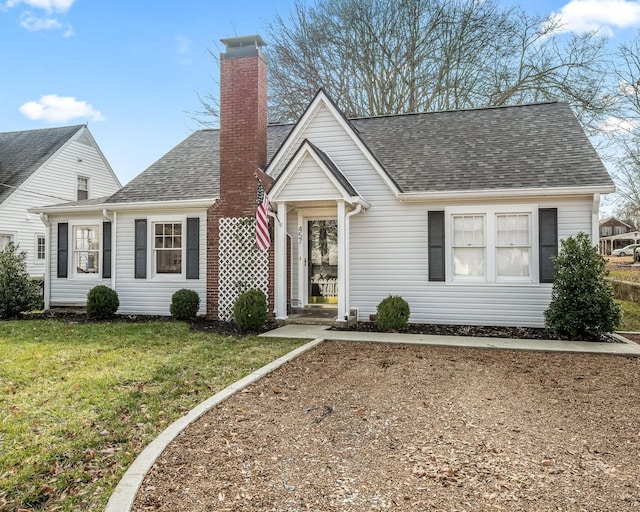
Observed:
{"x":146,"y":205}
{"x":515,"y":193}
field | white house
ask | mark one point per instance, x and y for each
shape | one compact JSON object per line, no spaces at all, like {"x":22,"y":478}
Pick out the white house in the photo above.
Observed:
{"x":43,"y":167}
{"x":457,"y":212}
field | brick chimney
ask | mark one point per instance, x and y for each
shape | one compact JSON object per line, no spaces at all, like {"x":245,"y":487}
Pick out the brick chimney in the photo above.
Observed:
{"x":243,"y":150}
{"x":243,"y":122}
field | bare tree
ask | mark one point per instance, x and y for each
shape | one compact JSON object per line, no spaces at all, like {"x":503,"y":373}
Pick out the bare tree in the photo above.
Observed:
{"x":626,"y":132}
{"x":378,"y":57}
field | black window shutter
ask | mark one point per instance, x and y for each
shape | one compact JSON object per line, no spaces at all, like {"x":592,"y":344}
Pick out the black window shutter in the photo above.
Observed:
{"x":140,"y":265}
{"x":63,"y":249}
{"x":193,"y":248}
{"x":436,"y":246}
{"x":548,"y":240}
{"x":106,"y":250}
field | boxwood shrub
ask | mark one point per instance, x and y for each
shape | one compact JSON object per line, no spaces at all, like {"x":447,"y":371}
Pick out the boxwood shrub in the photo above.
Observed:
{"x":392,"y":314}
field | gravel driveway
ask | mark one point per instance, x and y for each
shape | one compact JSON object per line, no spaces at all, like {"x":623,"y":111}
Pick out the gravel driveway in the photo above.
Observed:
{"x":355,"y":427}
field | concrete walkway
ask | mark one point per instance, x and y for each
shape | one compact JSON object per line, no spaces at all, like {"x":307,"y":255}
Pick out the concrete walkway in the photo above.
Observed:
{"x":627,"y":348}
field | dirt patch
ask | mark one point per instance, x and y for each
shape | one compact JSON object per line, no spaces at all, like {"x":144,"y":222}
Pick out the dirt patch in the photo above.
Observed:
{"x":357,"y":427}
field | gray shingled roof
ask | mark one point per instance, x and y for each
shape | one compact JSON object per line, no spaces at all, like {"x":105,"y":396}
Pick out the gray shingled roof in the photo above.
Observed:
{"x":527,"y":146}
{"x":23,"y":152}
{"x":191,"y":170}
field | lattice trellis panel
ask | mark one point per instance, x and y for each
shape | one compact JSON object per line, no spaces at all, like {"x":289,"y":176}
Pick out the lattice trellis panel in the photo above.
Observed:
{"x":241,"y":265}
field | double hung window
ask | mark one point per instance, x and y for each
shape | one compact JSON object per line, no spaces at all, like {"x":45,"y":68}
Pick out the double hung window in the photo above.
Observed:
{"x":5,"y":240}
{"x":86,"y":249}
{"x":167,"y":247}
{"x":83,"y":188}
{"x":491,"y":245}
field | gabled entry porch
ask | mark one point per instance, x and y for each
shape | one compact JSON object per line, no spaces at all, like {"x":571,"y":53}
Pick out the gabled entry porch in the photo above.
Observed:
{"x":314,"y":204}
{"x":312,"y":261}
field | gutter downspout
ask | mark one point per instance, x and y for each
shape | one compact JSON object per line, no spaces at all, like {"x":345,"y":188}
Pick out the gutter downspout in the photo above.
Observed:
{"x":347,"y":229}
{"x":595,"y":224}
{"x":47,"y":263}
{"x":113,"y":220}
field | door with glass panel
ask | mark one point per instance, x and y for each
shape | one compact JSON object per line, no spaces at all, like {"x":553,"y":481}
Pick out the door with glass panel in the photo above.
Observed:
{"x":322,"y":261}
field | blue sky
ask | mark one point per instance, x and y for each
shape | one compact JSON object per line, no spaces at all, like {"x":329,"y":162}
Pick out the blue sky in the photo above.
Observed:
{"x":131,"y":70}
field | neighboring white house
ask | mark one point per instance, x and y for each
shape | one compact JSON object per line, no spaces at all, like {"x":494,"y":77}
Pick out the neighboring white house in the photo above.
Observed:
{"x":42,"y":167}
{"x":458,"y":212}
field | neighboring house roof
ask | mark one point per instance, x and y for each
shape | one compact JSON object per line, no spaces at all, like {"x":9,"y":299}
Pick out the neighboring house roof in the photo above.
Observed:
{"x":613,"y":220}
{"x":24,"y":152}
{"x":526,"y":146}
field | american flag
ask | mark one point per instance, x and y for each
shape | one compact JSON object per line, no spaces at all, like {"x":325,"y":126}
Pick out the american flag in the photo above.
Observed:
{"x":263,"y":240}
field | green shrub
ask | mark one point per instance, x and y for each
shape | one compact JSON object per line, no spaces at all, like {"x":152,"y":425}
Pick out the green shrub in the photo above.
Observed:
{"x":38,"y":288}
{"x":102,"y":302}
{"x":17,"y":292}
{"x":582,"y":301}
{"x":185,"y":304}
{"x":392,"y":314}
{"x":250,"y":310}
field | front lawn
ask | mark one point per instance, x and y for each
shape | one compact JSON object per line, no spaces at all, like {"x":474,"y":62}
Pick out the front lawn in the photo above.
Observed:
{"x":78,"y":402}
{"x":630,"y":316}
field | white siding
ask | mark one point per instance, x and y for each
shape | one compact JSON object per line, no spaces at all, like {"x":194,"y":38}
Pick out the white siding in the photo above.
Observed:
{"x":388,"y":247}
{"x":54,"y":183}
{"x":389,"y":257}
{"x":309,"y":182}
{"x":150,"y":296}
{"x":72,"y":291}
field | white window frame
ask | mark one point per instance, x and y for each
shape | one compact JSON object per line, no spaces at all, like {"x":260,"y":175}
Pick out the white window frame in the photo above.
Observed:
{"x":12,"y":238}
{"x":479,"y":278}
{"x":97,"y":223}
{"x":152,"y":221}
{"x":36,"y":259}
{"x":78,"y":189}
{"x":491,"y":213}
{"x":529,"y":246}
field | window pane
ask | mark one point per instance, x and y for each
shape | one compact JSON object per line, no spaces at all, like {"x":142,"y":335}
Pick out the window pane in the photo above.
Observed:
{"x":513,"y":262}
{"x":168,"y":261}
{"x":40,"y":248}
{"x":512,"y":230}
{"x":87,"y":262}
{"x":4,"y":241}
{"x":468,"y":261}
{"x":159,"y":228}
{"x":468,"y":230}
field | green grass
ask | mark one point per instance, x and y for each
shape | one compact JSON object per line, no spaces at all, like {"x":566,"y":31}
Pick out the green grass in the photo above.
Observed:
{"x":78,"y":402}
{"x":630,"y":316}
{"x":631,"y":275}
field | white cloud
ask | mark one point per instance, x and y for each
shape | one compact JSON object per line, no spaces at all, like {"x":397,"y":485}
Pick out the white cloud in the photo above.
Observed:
{"x":47,"y":5}
{"x":35,"y":24}
{"x":54,"y":108}
{"x":613,"y":125}
{"x":602,"y":15}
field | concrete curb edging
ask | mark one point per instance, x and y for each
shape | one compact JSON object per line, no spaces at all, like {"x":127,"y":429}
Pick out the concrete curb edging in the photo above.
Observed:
{"x":124,"y":494}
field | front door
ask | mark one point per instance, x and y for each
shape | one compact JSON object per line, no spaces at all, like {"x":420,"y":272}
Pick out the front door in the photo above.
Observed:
{"x":322,"y":261}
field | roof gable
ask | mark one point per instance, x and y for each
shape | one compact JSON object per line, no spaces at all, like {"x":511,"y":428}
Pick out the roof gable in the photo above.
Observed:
{"x":23,"y":153}
{"x":322,"y":103}
{"x":312,"y":175}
